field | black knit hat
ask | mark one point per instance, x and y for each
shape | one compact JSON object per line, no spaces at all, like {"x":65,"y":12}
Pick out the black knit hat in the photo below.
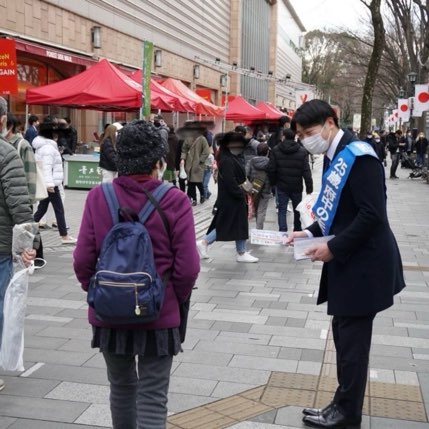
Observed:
{"x":139,"y":147}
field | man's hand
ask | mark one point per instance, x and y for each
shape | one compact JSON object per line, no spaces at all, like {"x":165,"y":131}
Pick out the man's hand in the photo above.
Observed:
{"x":320,"y":252}
{"x":27,"y":256}
{"x":293,"y":235}
{"x":51,"y":189}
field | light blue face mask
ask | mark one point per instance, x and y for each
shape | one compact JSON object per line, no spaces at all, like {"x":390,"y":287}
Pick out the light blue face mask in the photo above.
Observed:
{"x":236,"y":150}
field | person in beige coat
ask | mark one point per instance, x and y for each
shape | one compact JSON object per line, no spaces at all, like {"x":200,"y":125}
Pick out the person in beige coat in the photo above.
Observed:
{"x":195,"y":151}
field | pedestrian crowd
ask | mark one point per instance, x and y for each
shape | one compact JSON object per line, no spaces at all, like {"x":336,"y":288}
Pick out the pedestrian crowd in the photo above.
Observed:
{"x":152,"y":176}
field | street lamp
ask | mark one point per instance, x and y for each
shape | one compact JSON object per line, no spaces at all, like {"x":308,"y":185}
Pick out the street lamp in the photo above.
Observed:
{"x":412,"y":77}
{"x":401,"y":92}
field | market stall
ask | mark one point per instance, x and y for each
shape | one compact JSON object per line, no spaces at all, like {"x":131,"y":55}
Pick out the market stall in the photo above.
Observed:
{"x":239,"y":110}
{"x":202,"y":106}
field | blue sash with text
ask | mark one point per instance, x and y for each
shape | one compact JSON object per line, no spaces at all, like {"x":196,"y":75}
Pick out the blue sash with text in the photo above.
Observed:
{"x":334,"y":180}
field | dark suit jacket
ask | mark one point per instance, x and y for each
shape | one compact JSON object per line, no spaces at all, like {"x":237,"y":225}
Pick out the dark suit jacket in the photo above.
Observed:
{"x":366,"y":271}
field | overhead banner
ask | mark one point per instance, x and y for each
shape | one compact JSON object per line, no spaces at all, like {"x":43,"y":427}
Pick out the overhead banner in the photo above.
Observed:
{"x":403,"y":109}
{"x":421,"y":102}
{"x":302,"y":97}
{"x":8,"y":75}
{"x":146,"y":74}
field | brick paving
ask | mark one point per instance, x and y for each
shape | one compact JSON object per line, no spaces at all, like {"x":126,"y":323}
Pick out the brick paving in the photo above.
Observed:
{"x":248,"y":323}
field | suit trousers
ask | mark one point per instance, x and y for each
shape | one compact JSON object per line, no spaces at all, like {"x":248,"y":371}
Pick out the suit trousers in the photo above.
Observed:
{"x":352,"y":338}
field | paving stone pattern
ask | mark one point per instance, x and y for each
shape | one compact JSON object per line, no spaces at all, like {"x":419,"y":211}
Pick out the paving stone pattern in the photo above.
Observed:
{"x":251,"y":325}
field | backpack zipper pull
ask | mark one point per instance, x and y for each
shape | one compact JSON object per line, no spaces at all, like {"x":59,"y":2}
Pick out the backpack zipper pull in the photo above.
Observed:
{"x":137,"y":309}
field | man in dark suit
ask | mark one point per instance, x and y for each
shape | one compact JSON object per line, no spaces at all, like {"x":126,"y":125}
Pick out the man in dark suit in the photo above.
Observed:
{"x":362,"y":268}
{"x":31,"y":133}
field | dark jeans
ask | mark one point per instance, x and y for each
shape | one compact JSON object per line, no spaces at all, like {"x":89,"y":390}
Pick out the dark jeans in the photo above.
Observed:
{"x":283,"y":200}
{"x":352,"y":338}
{"x":138,"y":390}
{"x":395,"y":162}
{"x":55,"y":199}
{"x":192,"y":191}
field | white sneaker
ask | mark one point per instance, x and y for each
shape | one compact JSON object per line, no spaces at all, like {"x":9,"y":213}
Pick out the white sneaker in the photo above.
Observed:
{"x":68,"y":240}
{"x":2,"y":385}
{"x":202,"y":249}
{"x":247,"y":257}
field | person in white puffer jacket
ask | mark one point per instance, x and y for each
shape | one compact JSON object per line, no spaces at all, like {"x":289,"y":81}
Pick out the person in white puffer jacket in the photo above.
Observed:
{"x":47,"y":152}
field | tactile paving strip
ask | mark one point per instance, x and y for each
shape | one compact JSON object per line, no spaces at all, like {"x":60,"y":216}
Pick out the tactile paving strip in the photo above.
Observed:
{"x":254,"y":394}
{"x":402,"y":410}
{"x":238,"y":408}
{"x":277,"y":397}
{"x":288,"y":380}
{"x":201,"y":418}
{"x":396,"y":391}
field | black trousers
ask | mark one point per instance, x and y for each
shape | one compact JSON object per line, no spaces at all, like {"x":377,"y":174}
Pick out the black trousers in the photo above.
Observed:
{"x":395,"y":162}
{"x":55,"y":199}
{"x":352,"y":338}
{"x":192,"y":191}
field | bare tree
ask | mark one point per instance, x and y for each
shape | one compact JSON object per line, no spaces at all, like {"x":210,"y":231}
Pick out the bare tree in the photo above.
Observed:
{"x":374,"y":64}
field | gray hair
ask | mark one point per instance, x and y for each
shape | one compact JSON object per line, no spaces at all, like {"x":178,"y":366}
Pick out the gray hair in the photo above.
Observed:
{"x":3,"y":106}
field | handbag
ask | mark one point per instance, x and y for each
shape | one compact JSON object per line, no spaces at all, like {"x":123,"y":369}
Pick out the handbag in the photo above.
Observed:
{"x":182,"y":172}
{"x":247,"y":185}
{"x":41,"y":189}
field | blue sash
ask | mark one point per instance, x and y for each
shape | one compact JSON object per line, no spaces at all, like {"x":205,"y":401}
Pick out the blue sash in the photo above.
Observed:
{"x":334,"y":180}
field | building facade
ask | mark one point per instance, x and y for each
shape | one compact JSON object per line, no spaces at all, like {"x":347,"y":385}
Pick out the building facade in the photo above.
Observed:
{"x":57,"y":39}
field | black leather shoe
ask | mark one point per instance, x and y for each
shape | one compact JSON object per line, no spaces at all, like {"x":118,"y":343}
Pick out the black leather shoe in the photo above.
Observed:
{"x":317,"y":411}
{"x":333,"y":419}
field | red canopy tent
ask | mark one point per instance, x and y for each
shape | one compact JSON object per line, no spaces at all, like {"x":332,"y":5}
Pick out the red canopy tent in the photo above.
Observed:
{"x":180,"y":104}
{"x":270,"y":110}
{"x":101,"y":87}
{"x":239,"y":110}
{"x":203,"y":107}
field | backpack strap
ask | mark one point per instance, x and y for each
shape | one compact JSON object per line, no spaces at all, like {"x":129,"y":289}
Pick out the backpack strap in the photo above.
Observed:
{"x":112,"y":201}
{"x":153,"y":203}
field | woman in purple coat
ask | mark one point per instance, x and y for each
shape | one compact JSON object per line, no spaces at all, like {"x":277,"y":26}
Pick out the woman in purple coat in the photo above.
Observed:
{"x":139,"y":357}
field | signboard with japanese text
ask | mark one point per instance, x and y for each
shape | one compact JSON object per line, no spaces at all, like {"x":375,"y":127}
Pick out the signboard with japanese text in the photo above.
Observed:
{"x":303,"y":96}
{"x":82,"y":174}
{"x":8,"y":75}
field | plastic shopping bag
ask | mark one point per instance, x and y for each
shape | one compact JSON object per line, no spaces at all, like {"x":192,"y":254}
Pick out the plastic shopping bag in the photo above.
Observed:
{"x":182,"y":172}
{"x":304,"y":208}
{"x":15,"y":303}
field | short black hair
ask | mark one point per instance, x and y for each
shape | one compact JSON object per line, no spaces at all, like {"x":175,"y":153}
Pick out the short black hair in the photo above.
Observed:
{"x":231,"y":137}
{"x":32,"y":119}
{"x":289,"y":134}
{"x":12,"y":122}
{"x":283,"y":120}
{"x":48,"y":127}
{"x":240,"y":129}
{"x":262,"y":149}
{"x":313,"y":112}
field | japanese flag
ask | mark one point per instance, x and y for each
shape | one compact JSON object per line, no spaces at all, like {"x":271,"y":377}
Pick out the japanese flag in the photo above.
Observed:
{"x":421,"y":103}
{"x":302,"y":97}
{"x":403,"y":109}
{"x":395,"y":115}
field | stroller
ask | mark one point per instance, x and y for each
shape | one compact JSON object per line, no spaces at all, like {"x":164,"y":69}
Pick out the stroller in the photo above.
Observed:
{"x":408,"y":162}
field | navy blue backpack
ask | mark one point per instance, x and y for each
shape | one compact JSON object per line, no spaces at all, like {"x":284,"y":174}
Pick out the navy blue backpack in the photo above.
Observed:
{"x":126,"y":288}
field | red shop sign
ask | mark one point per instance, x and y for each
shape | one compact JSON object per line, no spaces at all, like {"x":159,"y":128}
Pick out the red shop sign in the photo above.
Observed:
{"x":8,"y":76}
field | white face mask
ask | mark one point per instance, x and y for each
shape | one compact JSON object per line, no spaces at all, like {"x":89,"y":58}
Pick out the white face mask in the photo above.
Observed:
{"x":236,"y":151}
{"x":316,"y":144}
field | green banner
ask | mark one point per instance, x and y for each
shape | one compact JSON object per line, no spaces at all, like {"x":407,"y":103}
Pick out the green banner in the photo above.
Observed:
{"x":146,"y":74}
{"x":83,"y":174}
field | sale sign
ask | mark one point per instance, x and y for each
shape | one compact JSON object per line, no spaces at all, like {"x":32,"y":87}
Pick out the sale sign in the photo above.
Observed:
{"x":8,"y":75}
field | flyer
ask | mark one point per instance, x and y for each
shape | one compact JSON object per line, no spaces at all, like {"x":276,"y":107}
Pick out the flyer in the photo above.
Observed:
{"x":300,"y":245}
